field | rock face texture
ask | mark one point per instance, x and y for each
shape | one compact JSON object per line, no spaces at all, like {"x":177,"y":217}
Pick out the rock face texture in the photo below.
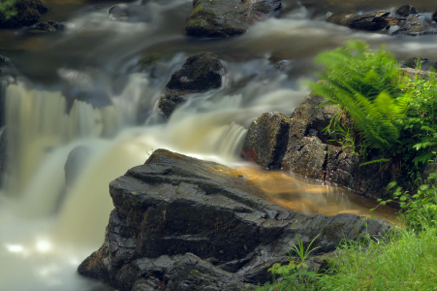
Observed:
{"x":199,"y":73}
{"x":267,"y":140}
{"x":371,"y":22}
{"x":180,"y":223}
{"x":408,"y":20}
{"x":222,"y":18}
{"x":306,"y":150}
{"x":27,"y":12}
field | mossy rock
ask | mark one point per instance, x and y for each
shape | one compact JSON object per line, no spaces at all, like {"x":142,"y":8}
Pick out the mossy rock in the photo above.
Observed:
{"x":150,"y":59}
{"x":218,"y":18}
{"x":25,"y":13}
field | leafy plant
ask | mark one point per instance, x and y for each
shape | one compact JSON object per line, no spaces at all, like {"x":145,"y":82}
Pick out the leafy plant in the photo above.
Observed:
{"x":422,"y":113}
{"x":342,"y":131}
{"x":420,"y":209}
{"x":369,"y":87}
{"x":7,"y":9}
{"x":295,"y":275}
{"x":300,"y":250}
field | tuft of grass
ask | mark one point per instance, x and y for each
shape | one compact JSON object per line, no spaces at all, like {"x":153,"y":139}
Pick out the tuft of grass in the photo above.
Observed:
{"x":405,"y":263}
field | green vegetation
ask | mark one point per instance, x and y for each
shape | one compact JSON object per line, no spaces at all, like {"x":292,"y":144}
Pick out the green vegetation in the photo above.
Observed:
{"x":295,"y":275}
{"x":389,"y":116}
{"x":7,"y":9}
{"x":405,"y":260}
{"x":369,"y":87}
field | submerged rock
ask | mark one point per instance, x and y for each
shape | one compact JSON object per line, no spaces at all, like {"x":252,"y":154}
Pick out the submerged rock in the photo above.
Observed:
{"x":181,"y":223}
{"x":199,"y":73}
{"x":22,"y":13}
{"x":309,"y":151}
{"x":222,"y":18}
{"x":130,"y":13}
{"x":49,"y":26}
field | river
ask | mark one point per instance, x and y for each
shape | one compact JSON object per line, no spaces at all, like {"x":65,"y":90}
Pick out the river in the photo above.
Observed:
{"x":46,"y":229}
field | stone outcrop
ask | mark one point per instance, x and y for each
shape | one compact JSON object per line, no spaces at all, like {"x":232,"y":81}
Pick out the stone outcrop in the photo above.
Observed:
{"x":267,"y":140}
{"x":371,"y":22}
{"x":181,"y":223}
{"x":227,"y":17}
{"x":308,"y":151}
{"x":406,"y":10}
{"x":407,"y":19}
{"x":199,"y":73}
{"x":27,"y":12}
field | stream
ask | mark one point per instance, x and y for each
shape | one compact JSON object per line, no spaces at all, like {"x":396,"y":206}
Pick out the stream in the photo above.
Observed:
{"x":47,"y":228}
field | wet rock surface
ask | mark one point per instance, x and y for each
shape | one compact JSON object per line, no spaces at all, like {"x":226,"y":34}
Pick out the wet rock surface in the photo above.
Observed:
{"x":267,"y":140}
{"x":49,"y":26}
{"x":27,"y":13}
{"x":181,"y":223}
{"x":227,"y":17}
{"x":406,"y":10}
{"x":406,"y":20}
{"x":309,"y":152}
{"x":199,"y":73}
{"x":371,"y":22}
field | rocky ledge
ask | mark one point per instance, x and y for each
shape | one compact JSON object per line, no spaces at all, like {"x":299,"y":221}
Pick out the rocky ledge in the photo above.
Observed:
{"x":298,"y":144}
{"x":181,"y":223}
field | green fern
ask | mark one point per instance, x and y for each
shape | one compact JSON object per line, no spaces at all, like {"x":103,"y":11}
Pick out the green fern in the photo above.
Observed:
{"x":368,"y":86}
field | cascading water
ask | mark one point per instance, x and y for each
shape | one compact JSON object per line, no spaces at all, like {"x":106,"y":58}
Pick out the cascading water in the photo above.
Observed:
{"x":46,"y":227}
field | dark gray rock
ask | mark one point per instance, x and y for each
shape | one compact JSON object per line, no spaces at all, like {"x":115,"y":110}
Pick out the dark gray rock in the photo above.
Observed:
{"x":371,"y":22}
{"x":49,"y":26}
{"x":199,"y":73}
{"x":27,"y":13}
{"x":406,"y":10}
{"x":309,"y":151}
{"x":267,"y":140}
{"x":170,"y":100}
{"x":434,"y":16}
{"x":180,"y":223}
{"x":227,"y":18}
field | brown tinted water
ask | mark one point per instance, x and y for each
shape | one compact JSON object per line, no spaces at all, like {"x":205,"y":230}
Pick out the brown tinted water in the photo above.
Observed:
{"x":313,"y":199}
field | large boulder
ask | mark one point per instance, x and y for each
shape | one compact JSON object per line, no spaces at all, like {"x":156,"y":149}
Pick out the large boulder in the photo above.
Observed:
{"x":181,"y":223}
{"x":199,"y":73}
{"x":227,"y":17}
{"x":267,"y":141}
{"x":22,"y":13}
{"x":309,"y":151}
